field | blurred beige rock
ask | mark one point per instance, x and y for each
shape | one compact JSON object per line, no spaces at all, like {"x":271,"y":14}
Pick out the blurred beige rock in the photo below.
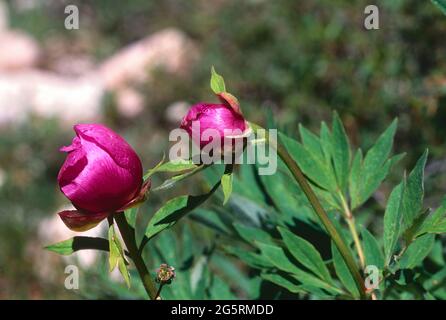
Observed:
{"x":48,"y":95}
{"x":52,"y":230}
{"x":169,"y":49}
{"x":17,"y":51}
{"x":176,"y":111}
{"x":130,"y":102}
{"x":74,"y":97}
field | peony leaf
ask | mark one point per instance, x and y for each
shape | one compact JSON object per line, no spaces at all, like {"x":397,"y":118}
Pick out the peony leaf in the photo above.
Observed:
{"x":392,"y":221}
{"x":441,"y":4}
{"x":278,"y":258}
{"x":341,"y":152}
{"x":217,"y":82}
{"x":173,"y":210}
{"x":372,"y":251}
{"x":116,"y":256}
{"x":306,"y":254}
{"x":74,"y":244}
{"x":417,"y":251}
{"x":122,"y":266}
{"x":366,"y":175}
{"x":169,"y":183}
{"x":343,"y":272}
{"x":155,"y":169}
{"x":412,"y":204}
{"x":177,"y":166}
{"x":114,"y":249}
{"x":226,"y":183}
{"x":283,"y":282}
{"x":251,"y":234}
{"x":435,"y":223}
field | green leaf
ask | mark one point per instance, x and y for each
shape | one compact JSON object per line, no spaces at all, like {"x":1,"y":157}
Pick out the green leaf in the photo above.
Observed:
{"x":372,"y":251}
{"x":217,"y":82}
{"x":177,"y":166}
{"x":226,"y":184}
{"x":115,"y":246}
{"x":412,"y":202}
{"x":434,"y":222}
{"x":74,"y":244}
{"x":169,"y":183}
{"x":116,"y":256}
{"x":131,"y":214}
{"x":355,"y":181}
{"x":340,"y":152}
{"x":305,"y":253}
{"x":279,"y":259}
{"x":173,"y":210}
{"x":282,"y":282}
{"x":250,"y":234}
{"x":311,"y":142}
{"x":316,"y":169}
{"x":252,"y":259}
{"x":392,"y":221}
{"x":441,"y":4}
{"x":367,"y":175}
{"x":343,"y":272}
{"x":378,"y":154}
{"x":149,"y":173}
{"x":325,"y":137}
{"x":417,"y":251}
{"x":122,"y":266}
{"x":439,"y":227}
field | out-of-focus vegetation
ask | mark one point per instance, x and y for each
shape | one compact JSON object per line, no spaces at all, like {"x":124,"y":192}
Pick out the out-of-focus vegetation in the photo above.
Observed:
{"x":287,"y":61}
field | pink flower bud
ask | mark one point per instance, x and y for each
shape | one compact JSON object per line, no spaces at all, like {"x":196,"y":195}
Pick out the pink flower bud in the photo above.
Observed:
{"x":101,"y":174}
{"x":213,"y":116}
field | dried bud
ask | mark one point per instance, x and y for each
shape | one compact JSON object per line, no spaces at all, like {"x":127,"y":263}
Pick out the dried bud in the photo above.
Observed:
{"x":165,"y":274}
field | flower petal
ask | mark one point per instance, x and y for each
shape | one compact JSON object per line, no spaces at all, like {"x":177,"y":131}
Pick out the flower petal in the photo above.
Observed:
{"x":230,"y":101}
{"x":100,"y":185}
{"x":80,"y":221}
{"x":112,"y":143}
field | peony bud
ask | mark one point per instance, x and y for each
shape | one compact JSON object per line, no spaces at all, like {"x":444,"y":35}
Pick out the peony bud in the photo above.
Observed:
{"x":220,"y":117}
{"x":102,"y":174}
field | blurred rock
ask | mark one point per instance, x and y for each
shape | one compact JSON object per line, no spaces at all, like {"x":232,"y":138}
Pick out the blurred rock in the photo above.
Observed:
{"x":169,"y":49}
{"x":130,"y":102}
{"x":176,"y":111}
{"x":48,"y":95}
{"x":52,"y":230}
{"x":74,"y":93}
{"x":72,"y":65}
{"x":17,"y":51}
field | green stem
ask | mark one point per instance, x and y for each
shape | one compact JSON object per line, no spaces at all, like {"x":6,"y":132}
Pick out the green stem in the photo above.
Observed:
{"x":354,"y":232}
{"x":319,"y":210}
{"x":158,"y":293}
{"x":128,"y":235}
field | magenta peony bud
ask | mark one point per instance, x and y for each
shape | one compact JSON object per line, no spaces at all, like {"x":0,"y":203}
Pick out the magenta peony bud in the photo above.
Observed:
{"x":101,"y":174}
{"x":214,"y":116}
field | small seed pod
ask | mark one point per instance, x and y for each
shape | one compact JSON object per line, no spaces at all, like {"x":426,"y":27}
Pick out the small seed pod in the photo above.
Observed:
{"x":165,"y":274}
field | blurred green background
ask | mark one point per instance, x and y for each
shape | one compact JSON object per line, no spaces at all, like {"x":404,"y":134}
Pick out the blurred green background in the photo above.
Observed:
{"x":287,"y":61}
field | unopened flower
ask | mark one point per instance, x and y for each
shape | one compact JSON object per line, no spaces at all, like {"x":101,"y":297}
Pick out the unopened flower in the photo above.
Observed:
{"x":101,"y":175}
{"x":224,"y":118}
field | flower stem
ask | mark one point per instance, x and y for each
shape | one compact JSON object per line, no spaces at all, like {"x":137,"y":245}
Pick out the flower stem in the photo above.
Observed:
{"x":354,"y":232}
{"x":320,"y":212}
{"x":158,"y":293}
{"x":128,"y":235}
